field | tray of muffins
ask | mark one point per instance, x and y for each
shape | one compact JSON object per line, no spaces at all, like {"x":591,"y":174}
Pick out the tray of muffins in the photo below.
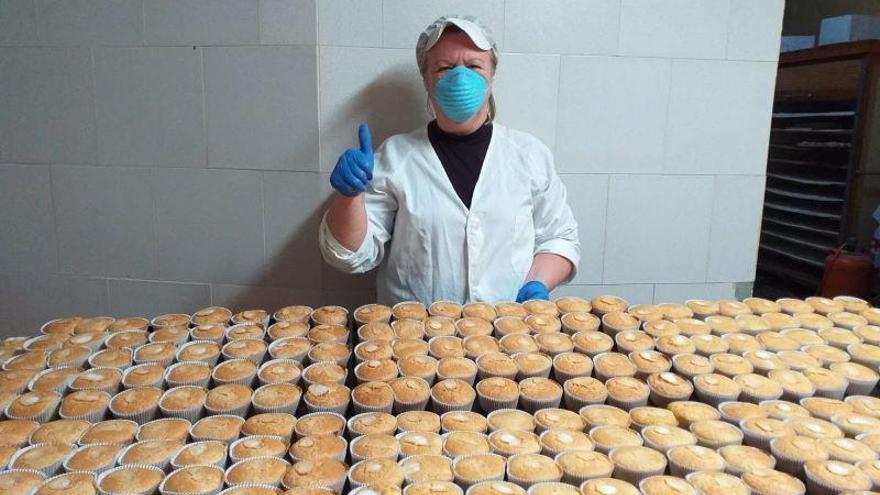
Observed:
{"x":573,"y":396}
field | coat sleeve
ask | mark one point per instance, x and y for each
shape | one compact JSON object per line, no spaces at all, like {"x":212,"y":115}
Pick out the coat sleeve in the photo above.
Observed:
{"x":381,"y":205}
{"x":556,"y":230}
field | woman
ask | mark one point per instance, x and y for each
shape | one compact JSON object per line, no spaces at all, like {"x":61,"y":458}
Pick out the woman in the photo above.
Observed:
{"x":467,"y":209}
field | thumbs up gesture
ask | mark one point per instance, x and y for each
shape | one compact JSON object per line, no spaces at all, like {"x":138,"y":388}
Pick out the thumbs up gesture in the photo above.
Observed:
{"x":354,"y":169}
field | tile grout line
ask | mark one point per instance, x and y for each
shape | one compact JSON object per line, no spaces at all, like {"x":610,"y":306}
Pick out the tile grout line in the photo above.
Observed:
{"x":605,"y":227}
{"x":50,"y":168}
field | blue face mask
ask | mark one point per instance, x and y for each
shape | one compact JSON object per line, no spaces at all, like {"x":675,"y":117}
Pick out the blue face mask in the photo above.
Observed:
{"x":460,"y":93}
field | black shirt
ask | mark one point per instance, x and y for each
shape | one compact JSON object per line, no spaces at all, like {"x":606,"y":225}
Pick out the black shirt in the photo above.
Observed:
{"x":461,"y":156}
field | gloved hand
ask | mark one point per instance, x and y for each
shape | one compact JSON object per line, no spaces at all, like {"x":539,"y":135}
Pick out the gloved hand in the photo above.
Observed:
{"x":533,"y":290}
{"x":354,"y":169}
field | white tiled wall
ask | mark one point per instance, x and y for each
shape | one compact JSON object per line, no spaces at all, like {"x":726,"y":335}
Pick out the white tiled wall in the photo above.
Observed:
{"x":161,"y":155}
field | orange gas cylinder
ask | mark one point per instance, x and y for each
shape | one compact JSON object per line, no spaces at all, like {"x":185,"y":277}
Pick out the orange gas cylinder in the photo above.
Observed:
{"x":847,"y":274}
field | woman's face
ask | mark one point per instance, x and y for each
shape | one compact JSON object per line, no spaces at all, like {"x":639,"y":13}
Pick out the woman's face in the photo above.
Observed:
{"x":455,"y":49}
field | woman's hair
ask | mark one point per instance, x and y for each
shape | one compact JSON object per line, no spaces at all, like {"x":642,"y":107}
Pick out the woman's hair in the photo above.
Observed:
{"x":422,"y":58}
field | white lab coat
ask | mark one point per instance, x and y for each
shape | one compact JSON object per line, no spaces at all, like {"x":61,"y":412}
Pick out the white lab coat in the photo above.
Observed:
{"x":440,"y":250}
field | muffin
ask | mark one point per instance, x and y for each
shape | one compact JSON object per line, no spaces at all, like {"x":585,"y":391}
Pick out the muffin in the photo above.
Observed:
{"x":529,"y":469}
{"x":687,"y":412}
{"x":581,"y":465}
{"x":600,"y":414}
{"x":743,"y":459}
{"x":608,"y":437}
{"x":716,"y":434}
{"x":582,"y":391}
{"x":39,"y":406}
{"x":612,"y":364}
{"x":422,"y":421}
{"x":714,"y":388}
{"x":94,"y":458}
{"x":419,"y":443}
{"x":257,"y":446}
{"x":691,"y":365}
{"x":426,"y":468}
{"x":780,"y":409}
{"x":509,"y":442}
{"x":647,"y":416}
{"x":472,"y":469}
{"x":825,"y":476}
{"x":538,"y":393}
{"x":756,"y":388}
{"x":316,"y":447}
{"x":715,"y":483}
{"x":733,"y":412}
{"x":648,"y":362}
{"x":164,"y":429}
{"x":269,"y":470}
{"x":608,"y":486}
{"x":660,"y":485}
{"x":151,"y":452}
{"x":222,"y":427}
{"x":592,"y":343}
{"x":138,"y":404}
{"x":848,"y":450}
{"x":458,"y":443}
{"x":130,"y":480}
{"x":58,"y":431}
{"x":633,"y":464}
{"x":667,"y":387}
{"x":686,"y":459}
{"x":513,"y":419}
{"x":627,"y":392}
{"x":557,"y":441}
{"x":759,"y":432}
{"x":795,"y":385}
{"x":372,"y":422}
{"x":662,"y":438}
{"x":465,"y":421}
{"x":194,"y":479}
{"x":88,"y":405}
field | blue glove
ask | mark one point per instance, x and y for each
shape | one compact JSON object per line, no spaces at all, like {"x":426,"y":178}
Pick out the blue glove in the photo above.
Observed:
{"x":533,"y":290}
{"x":354,"y":169}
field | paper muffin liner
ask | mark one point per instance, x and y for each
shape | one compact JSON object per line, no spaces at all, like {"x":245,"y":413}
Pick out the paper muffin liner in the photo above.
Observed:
{"x":787,"y":464}
{"x":240,"y":411}
{"x":192,"y":414}
{"x":92,"y":417}
{"x":712,"y":398}
{"x":220,"y":463}
{"x":210,"y":359}
{"x":139,"y":417}
{"x":340,"y":409}
{"x":526,"y":483}
{"x":753,"y":439}
{"x":355,"y":457}
{"x":262,"y":381}
{"x":289,"y":408}
{"x":470,"y":379}
{"x":228,"y":491}
{"x":576,"y":403}
{"x":419,"y":405}
{"x":359,"y":407}
{"x":817,"y":486}
{"x":467,"y":483}
{"x":163,"y":490}
{"x":103,"y":475}
{"x":680,"y":470}
{"x":540,"y":373}
{"x":563,"y":376}
{"x":860,"y":387}
{"x":626,"y":405}
{"x":534,"y":405}
{"x":441,"y":407}
{"x":47,"y":471}
{"x":220,"y":339}
{"x":44,"y":417}
{"x":232,"y":445}
{"x":837,"y":393}
{"x":634,"y":476}
{"x":488,"y":404}
{"x":159,"y":383}
{"x":298,"y":433}
{"x":203,"y":382}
